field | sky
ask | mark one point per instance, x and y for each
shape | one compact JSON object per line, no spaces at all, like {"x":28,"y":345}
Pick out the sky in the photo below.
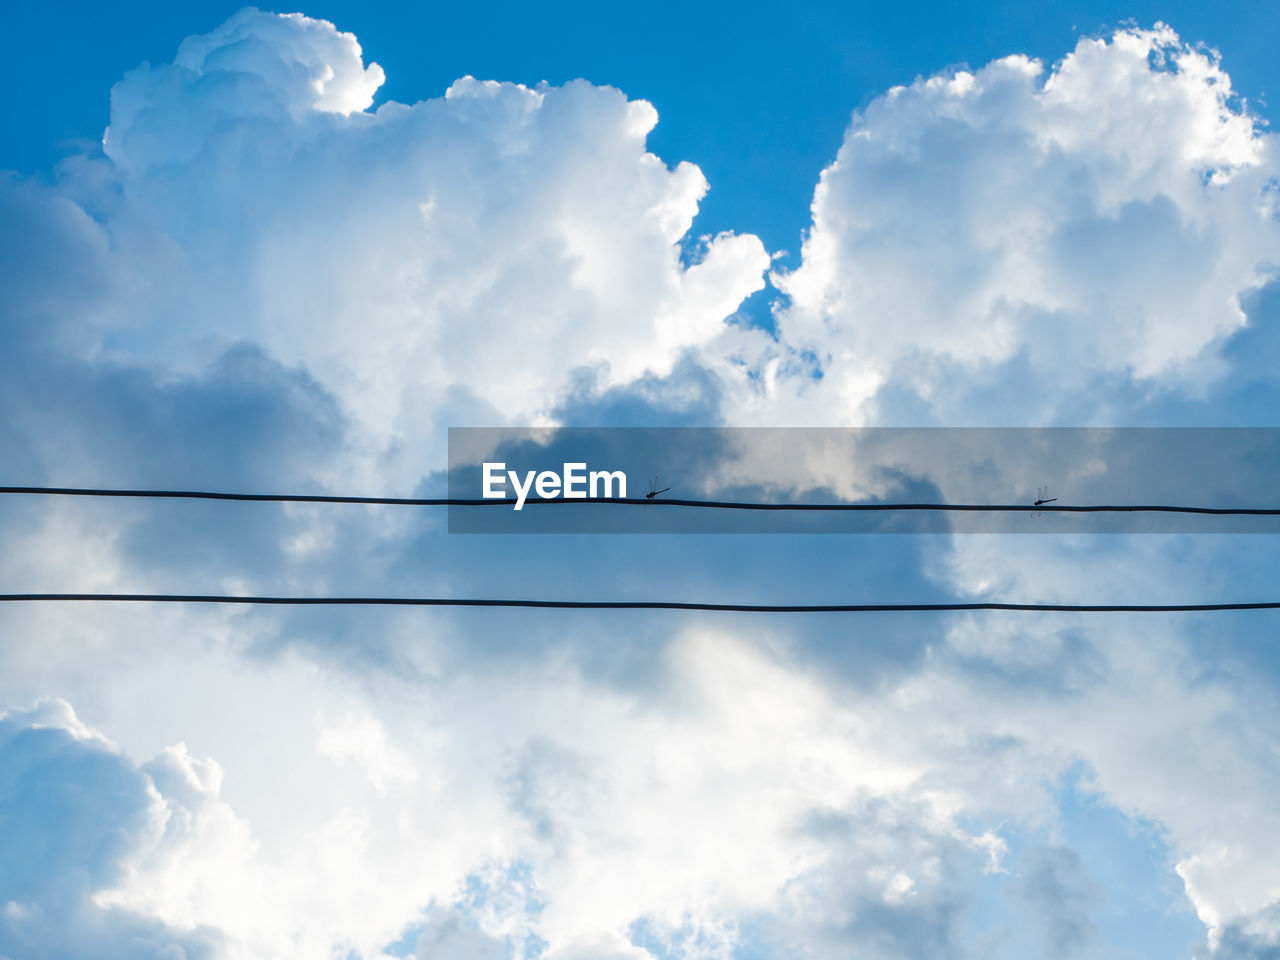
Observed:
{"x":260,"y":251}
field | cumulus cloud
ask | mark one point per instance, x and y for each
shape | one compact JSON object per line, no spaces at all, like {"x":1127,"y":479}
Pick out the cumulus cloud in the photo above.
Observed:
{"x":1167,"y":736}
{"x":1255,"y":938}
{"x":546,"y":807}
{"x":72,"y":809}
{"x":470,"y":256}
{"x":255,"y":67}
{"x":990,"y":244}
{"x":260,"y":282}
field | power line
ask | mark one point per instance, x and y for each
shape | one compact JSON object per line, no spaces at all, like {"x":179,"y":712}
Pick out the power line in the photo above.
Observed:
{"x":637,"y":604}
{"x":645,"y":502}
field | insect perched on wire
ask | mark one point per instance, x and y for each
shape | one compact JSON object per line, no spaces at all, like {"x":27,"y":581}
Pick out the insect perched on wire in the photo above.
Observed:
{"x":654,"y":492}
{"x":1042,"y":497}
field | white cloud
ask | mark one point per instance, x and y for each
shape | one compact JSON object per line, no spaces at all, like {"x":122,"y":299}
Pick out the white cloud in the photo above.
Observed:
{"x":1166,"y":736}
{"x":995,"y":242}
{"x":256,"y":68}
{"x":577,"y":808}
{"x":460,"y":256}
{"x":71,"y":810}
{"x":465,"y":258}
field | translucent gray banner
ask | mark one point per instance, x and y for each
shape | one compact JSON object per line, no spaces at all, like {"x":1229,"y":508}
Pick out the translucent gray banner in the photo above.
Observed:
{"x":870,"y":480}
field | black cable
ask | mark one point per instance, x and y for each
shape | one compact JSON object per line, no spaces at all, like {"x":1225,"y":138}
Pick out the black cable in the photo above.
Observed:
{"x":637,"y":604}
{"x":644,"y":501}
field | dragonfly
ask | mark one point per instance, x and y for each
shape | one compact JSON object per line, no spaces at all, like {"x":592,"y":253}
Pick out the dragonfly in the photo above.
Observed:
{"x":1042,"y":497}
{"x":654,"y":492}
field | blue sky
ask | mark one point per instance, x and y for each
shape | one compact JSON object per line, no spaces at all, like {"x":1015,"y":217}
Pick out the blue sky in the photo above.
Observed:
{"x":290,"y":252}
{"x":758,"y":100}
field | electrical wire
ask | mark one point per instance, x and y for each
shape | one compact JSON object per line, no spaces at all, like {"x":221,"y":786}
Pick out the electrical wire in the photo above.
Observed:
{"x":646,"y":502}
{"x":639,"y":604}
